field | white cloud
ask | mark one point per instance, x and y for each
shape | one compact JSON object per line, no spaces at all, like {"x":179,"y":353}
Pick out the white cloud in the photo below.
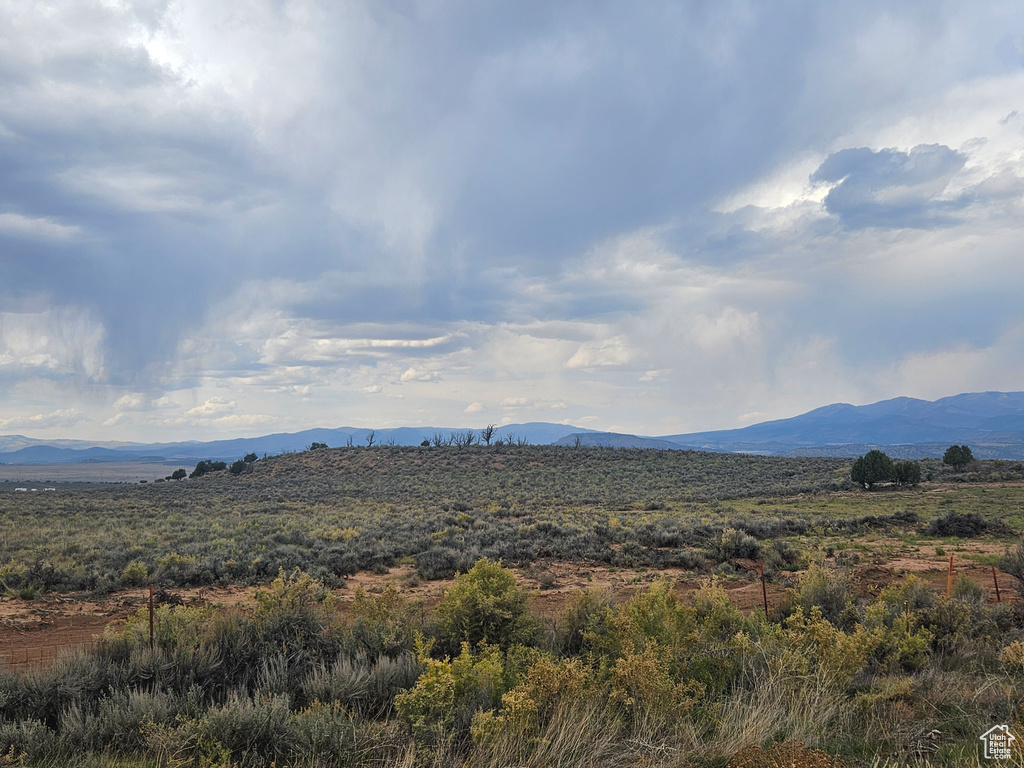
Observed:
{"x":730,"y":326}
{"x":64,"y":417}
{"x":212,"y":408}
{"x":475,"y":408}
{"x":293,"y":347}
{"x":133,"y":401}
{"x":416,"y":374}
{"x":591,"y":354}
{"x":516,"y":402}
{"x":655,"y":375}
{"x":960,"y":368}
{"x":57,"y":341}
{"x":136,"y":189}
{"x":36,"y":227}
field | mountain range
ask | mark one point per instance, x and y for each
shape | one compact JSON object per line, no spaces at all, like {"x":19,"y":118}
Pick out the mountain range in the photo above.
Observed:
{"x":992,"y":423}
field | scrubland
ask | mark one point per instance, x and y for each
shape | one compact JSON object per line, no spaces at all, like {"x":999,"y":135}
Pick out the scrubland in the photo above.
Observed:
{"x":863,"y":659}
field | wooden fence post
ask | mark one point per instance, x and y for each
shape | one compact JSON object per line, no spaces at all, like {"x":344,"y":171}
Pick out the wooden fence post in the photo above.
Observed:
{"x":151,"y":617}
{"x":949,"y":578}
{"x":996,"y":582}
{"x":764,"y":590}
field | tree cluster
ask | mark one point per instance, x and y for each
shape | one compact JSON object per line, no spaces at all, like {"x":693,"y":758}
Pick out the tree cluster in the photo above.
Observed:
{"x":205,"y":466}
{"x":876,"y":467}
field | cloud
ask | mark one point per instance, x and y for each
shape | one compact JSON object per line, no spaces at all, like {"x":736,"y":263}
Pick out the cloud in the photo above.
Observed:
{"x":36,"y":227}
{"x":280,"y":211}
{"x":53,"y":343}
{"x":133,"y":401}
{"x":475,"y":408}
{"x":608,"y":352}
{"x":890,"y":188}
{"x":516,"y":402}
{"x":730,"y":326}
{"x":293,"y":347}
{"x":65,"y":417}
{"x":213,"y":407}
{"x":414,"y":374}
{"x":656,"y":375}
{"x":960,"y":367}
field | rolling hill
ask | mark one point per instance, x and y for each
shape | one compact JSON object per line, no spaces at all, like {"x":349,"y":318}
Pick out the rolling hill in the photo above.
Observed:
{"x":992,"y":423}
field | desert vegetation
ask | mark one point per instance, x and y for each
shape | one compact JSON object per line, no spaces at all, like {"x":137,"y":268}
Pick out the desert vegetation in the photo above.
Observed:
{"x":655,"y":680}
{"x":334,"y":512}
{"x":839,"y":671}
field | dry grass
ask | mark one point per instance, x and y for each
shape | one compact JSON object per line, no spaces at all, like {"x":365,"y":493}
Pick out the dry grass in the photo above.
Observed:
{"x":790,"y":754}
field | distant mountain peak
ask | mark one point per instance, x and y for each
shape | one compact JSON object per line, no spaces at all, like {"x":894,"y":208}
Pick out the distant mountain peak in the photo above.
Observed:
{"x":992,"y":423}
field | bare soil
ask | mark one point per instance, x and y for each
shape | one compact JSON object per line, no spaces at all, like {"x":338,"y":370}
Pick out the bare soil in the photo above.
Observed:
{"x":36,"y":631}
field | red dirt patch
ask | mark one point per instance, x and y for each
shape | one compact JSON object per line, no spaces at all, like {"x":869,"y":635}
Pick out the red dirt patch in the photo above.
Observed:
{"x":35,"y":631}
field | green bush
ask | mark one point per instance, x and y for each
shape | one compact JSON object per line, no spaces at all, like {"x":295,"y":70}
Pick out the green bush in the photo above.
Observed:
{"x":135,"y":573}
{"x":829,"y":591}
{"x":485,"y":606}
{"x":733,"y":543}
{"x":384,"y":625}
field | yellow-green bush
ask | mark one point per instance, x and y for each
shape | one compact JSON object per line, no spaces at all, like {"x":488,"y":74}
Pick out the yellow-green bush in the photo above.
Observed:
{"x":816,"y":646}
{"x":653,"y":615}
{"x":642,"y":686}
{"x":135,"y":573}
{"x":485,"y":605}
{"x":1012,"y":657}
{"x":384,"y":624}
{"x":527,"y":709}
{"x":428,"y":708}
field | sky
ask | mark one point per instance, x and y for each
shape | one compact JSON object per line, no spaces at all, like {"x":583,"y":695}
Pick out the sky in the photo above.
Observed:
{"x":231,"y":219}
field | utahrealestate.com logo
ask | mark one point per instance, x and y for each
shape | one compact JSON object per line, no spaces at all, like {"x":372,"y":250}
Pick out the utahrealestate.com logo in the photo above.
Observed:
{"x":998,"y":743}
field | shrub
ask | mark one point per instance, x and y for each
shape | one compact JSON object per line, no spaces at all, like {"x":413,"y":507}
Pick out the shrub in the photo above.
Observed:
{"x":1012,"y":657}
{"x":832,"y":654}
{"x":955,"y":524}
{"x":443,"y":562}
{"x":733,"y":543}
{"x":134,"y":573}
{"x":642,"y":686}
{"x":386,"y":624}
{"x":428,"y":708}
{"x":364,"y":687}
{"x":907,"y":473}
{"x":827,"y":590}
{"x":485,"y":606}
{"x":1013,"y":563}
{"x":574,"y":618}
{"x":528,"y":709}
{"x":251,"y":727}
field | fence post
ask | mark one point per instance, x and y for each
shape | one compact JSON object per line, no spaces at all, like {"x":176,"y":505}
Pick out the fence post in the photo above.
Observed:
{"x":996,"y":582}
{"x":764,"y":591}
{"x":949,"y":578}
{"x":150,"y":617}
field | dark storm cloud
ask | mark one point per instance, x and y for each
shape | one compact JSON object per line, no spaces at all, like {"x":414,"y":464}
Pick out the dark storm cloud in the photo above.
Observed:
{"x":198,"y":183}
{"x":892,"y":189}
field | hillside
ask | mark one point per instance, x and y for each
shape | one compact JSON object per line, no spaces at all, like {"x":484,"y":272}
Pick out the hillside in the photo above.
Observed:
{"x":992,"y":423}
